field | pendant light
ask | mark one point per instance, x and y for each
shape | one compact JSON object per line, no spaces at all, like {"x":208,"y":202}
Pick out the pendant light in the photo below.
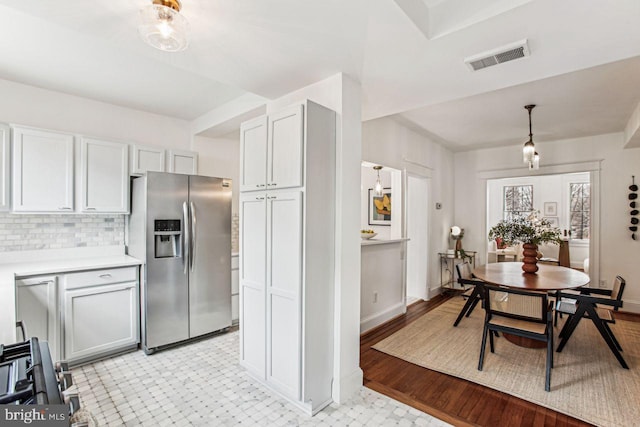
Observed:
{"x":529,"y":150}
{"x":163,"y":27}
{"x":377,"y":190}
{"x":535,"y":164}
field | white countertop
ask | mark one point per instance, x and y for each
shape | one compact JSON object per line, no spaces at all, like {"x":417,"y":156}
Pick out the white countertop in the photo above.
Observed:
{"x":31,"y":263}
{"x":374,"y":241}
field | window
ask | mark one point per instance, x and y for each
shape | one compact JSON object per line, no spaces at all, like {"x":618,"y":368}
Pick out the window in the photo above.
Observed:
{"x":518,"y":201}
{"x":579,"y":210}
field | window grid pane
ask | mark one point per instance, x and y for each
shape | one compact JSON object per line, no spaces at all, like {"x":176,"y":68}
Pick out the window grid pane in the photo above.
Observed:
{"x":580,"y":214}
{"x":517,"y":201}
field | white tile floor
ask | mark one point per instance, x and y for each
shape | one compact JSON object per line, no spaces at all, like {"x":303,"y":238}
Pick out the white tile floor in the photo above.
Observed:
{"x":202,"y":384}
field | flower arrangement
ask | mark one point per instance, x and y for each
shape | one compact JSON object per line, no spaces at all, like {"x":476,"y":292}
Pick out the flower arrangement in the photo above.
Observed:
{"x":525,"y":229}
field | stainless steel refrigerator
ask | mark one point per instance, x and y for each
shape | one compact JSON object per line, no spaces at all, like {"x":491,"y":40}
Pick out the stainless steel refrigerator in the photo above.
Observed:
{"x":180,"y":226}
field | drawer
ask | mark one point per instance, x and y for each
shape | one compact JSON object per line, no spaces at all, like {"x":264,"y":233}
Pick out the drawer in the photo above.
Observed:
{"x":100,"y":277}
{"x":234,"y":262}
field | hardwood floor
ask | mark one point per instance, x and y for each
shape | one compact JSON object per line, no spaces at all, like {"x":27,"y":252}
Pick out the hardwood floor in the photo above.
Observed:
{"x":454,"y":400}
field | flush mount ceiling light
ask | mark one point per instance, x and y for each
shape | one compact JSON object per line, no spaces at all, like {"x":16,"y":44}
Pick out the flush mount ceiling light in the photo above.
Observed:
{"x":378,"y":187}
{"x":529,"y":154}
{"x":162,"y":26}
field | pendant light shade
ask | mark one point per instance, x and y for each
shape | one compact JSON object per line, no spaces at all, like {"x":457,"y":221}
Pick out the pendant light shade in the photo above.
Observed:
{"x":163,"y":27}
{"x":377,"y":190}
{"x":529,"y":149}
{"x":535,"y":163}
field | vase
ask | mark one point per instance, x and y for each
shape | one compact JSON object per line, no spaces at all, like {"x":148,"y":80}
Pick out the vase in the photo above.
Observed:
{"x":500,"y":243}
{"x":529,"y":260}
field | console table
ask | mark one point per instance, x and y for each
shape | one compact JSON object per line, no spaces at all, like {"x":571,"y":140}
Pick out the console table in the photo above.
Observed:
{"x":448,"y":262}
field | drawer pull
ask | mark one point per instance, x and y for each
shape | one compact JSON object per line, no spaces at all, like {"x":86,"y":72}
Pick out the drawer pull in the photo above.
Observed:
{"x":90,"y":209}
{"x":105,"y":276}
{"x":64,"y":209}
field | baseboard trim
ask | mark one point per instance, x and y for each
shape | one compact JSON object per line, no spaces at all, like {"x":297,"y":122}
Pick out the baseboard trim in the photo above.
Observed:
{"x":347,"y":386}
{"x":378,"y":319}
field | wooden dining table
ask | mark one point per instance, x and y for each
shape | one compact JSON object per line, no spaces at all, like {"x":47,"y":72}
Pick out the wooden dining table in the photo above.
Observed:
{"x":548,"y":278}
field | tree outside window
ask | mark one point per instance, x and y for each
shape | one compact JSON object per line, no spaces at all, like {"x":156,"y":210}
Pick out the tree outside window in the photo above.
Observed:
{"x":518,"y":201}
{"x":580,"y":210}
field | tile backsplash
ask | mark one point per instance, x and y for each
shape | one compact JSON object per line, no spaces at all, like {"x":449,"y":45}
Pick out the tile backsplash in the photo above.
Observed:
{"x":32,"y":232}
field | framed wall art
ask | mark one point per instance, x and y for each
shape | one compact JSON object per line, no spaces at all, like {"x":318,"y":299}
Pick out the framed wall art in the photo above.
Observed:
{"x":380,"y":207}
{"x":550,"y":208}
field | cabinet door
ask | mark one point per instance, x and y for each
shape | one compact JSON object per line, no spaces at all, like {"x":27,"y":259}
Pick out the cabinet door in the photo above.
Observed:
{"x":252,"y":282}
{"x":146,"y":159}
{"x":42,"y":171}
{"x":100,"y":319}
{"x":4,"y":167}
{"x":285,"y":148}
{"x":185,"y":162}
{"x":284,"y":281}
{"x":253,"y":152}
{"x":105,"y":176}
{"x":37,"y":308}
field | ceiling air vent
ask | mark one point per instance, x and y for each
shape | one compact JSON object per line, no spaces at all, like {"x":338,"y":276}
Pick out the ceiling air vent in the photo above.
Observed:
{"x":498,"y":56}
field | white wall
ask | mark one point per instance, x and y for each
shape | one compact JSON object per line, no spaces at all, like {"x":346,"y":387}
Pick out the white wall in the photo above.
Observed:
{"x":618,"y":252}
{"x":220,"y":157}
{"x":32,"y":106}
{"x":387,"y":142}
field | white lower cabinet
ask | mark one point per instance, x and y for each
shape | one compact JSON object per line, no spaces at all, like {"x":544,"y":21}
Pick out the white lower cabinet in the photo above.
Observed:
{"x":101,"y":315}
{"x":37,"y":309}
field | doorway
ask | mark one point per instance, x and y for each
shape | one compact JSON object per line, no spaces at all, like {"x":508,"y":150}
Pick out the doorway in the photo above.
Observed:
{"x":563,"y":199}
{"x":417,"y":231}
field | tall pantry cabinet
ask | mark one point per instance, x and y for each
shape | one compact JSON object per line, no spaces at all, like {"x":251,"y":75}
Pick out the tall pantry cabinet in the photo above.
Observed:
{"x":287,"y":225}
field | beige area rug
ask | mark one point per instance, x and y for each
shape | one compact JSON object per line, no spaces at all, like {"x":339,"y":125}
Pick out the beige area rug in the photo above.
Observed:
{"x":587,"y":382}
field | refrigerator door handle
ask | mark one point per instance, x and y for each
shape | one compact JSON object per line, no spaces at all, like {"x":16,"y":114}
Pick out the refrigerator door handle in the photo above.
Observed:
{"x":186,"y":243}
{"x":194,"y":237}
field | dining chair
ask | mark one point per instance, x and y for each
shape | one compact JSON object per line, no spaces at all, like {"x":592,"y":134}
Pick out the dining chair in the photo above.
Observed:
{"x":527,"y":314}
{"x":474,"y":294}
{"x":598,"y":305}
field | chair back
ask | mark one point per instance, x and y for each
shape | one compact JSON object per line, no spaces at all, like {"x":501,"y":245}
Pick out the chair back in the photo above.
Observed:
{"x":516,"y":303}
{"x":464,"y":270}
{"x":618,"y":289}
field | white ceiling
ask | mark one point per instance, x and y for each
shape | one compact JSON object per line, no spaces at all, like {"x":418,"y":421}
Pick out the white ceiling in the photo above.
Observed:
{"x":583,"y":72}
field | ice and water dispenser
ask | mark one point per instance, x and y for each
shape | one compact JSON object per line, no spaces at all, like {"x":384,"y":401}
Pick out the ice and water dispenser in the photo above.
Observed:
{"x":168,"y":237}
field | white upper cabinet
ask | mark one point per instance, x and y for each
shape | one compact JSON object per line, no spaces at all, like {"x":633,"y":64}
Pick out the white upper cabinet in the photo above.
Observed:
{"x":253,"y":152}
{"x":42,"y":171}
{"x":145,"y":159}
{"x":105,"y":176}
{"x":185,"y":162}
{"x":272,"y":151}
{"x":285,"y":150}
{"x":5,"y":143}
